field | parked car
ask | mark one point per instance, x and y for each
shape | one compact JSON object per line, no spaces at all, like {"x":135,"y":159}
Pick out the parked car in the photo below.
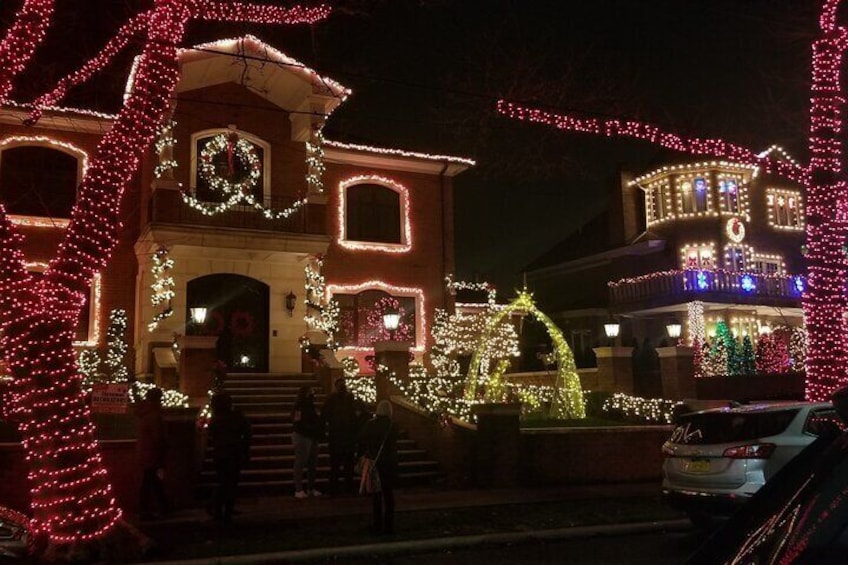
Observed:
{"x":14,"y":535}
{"x":715,"y":460}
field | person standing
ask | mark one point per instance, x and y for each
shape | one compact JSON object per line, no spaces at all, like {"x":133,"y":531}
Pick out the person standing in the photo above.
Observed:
{"x":307,"y":431}
{"x":378,"y":442}
{"x":229,"y":434}
{"x":151,"y":446}
{"x":340,"y":413}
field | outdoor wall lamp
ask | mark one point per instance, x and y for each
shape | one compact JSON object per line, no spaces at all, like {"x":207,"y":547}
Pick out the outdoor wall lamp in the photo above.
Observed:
{"x":291,"y":302}
{"x":674,"y":329}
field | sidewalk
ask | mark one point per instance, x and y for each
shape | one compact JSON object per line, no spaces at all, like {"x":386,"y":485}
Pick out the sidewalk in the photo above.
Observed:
{"x":285,"y":529}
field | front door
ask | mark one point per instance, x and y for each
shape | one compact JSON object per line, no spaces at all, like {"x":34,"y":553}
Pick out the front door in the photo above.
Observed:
{"x":237,"y":312}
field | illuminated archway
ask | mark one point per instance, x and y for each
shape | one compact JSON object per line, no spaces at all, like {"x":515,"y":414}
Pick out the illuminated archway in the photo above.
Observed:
{"x":567,"y":401}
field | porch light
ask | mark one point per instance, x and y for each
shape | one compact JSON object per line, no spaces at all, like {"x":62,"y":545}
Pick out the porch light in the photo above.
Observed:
{"x":674,"y":330}
{"x":198,"y":315}
{"x":291,"y":302}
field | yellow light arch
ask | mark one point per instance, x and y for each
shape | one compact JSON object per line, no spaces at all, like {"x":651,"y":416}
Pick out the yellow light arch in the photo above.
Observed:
{"x":568,"y":394}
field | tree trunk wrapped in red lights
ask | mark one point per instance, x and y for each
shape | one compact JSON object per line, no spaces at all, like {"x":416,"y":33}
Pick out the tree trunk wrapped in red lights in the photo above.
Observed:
{"x":72,"y":500}
{"x":824,"y":180}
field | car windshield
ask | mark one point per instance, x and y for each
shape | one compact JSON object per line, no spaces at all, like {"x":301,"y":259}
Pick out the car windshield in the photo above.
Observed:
{"x":728,"y":427}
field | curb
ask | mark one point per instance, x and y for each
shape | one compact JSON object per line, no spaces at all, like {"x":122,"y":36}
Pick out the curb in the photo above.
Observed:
{"x":437,"y":544}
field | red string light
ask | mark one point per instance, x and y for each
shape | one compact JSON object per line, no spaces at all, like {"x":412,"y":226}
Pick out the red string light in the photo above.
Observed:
{"x":826,"y":187}
{"x":72,"y":499}
{"x":29,"y":29}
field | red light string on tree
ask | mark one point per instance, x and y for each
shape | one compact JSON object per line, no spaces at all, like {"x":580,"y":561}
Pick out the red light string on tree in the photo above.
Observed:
{"x":21,"y":41}
{"x":72,"y":500}
{"x":132,"y":29}
{"x":826,"y":187}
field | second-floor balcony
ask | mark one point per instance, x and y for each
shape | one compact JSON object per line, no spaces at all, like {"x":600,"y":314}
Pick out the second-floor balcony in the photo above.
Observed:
{"x":167,"y":207}
{"x":730,"y":287}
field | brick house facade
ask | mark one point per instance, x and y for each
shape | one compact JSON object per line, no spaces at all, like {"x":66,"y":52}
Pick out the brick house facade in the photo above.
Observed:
{"x":239,"y":264}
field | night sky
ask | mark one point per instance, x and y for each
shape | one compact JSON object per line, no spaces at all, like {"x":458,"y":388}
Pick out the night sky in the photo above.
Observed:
{"x":427,"y":73}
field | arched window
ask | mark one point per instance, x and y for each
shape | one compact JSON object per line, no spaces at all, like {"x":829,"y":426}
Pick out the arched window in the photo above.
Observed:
{"x":229,"y":165}
{"x":38,"y":180}
{"x":361,"y":318}
{"x":373,"y":214}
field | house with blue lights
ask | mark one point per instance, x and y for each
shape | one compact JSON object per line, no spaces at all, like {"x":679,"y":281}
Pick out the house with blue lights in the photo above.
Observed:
{"x":679,"y":249}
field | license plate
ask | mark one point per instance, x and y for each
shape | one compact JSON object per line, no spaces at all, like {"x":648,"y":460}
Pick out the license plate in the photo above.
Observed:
{"x":698,"y":466}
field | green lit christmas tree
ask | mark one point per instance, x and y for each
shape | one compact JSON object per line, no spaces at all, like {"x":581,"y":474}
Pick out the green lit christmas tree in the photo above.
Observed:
{"x":749,"y":361}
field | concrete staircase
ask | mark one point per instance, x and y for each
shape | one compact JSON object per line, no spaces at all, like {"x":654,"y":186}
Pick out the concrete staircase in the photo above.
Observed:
{"x":267,"y":401}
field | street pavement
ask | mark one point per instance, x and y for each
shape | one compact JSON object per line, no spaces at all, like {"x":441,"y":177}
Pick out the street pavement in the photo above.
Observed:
{"x":342,"y":522}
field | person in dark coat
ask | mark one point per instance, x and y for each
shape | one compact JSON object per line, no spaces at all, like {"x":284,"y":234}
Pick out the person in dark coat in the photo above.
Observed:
{"x":229,"y":434}
{"x":307,"y":431}
{"x":341,"y":412}
{"x":378,"y":441}
{"x":151,"y":446}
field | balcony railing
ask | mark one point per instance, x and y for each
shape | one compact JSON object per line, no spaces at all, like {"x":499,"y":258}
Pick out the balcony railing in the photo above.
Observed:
{"x":167,"y":207}
{"x":671,"y":287}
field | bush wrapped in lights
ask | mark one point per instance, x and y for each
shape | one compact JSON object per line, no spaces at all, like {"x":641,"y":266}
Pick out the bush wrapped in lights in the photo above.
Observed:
{"x":641,"y":410}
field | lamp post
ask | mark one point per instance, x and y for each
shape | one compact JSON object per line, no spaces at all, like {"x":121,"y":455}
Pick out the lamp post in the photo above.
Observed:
{"x":674,"y":329}
{"x":198,"y":318}
{"x":611,"y":330}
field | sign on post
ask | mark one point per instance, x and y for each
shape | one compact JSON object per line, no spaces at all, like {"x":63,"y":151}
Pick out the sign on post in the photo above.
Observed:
{"x":110,"y":398}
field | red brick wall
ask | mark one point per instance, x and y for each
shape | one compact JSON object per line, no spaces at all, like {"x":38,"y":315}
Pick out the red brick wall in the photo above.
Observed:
{"x":431,"y":256}
{"x":596,"y":455}
{"x":118,"y":278}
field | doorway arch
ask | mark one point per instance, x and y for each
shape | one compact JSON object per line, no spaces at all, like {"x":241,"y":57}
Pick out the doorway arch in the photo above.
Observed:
{"x":568,"y":394}
{"x":238,"y":313}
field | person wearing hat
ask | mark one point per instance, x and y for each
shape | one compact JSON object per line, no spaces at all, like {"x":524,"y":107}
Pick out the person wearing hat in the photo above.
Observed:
{"x":378,"y":442}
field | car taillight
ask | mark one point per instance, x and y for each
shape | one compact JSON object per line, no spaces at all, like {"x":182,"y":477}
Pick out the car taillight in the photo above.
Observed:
{"x":756,"y":451}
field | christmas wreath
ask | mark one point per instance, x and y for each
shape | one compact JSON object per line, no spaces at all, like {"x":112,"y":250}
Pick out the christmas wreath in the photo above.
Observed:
{"x":242,"y":324}
{"x":236,"y":149}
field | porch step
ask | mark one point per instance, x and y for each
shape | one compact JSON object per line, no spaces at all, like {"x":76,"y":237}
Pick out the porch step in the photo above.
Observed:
{"x":267,"y":400}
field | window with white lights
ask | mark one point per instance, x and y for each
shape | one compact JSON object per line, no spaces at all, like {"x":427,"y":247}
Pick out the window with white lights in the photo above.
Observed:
{"x":373,"y":214}
{"x":735,"y":258}
{"x":233,"y":157}
{"x":658,"y":202}
{"x":785,"y":209}
{"x":361,"y":318}
{"x":39,"y":180}
{"x":729,"y":195}
{"x":767,"y":264}
{"x":693,"y":194}
{"x":699,"y":257}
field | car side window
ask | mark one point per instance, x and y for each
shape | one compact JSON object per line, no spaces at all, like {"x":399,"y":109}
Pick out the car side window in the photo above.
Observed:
{"x":824,"y":421}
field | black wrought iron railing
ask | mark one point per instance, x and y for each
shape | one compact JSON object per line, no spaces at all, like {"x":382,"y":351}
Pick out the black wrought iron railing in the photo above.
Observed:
{"x":168,"y":207}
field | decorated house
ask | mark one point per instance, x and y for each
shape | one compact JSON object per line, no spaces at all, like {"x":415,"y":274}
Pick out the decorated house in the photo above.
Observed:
{"x":679,"y":250}
{"x":243,"y":209}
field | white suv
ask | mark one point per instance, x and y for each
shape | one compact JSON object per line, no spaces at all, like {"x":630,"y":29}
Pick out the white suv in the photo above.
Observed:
{"x":716,"y":459}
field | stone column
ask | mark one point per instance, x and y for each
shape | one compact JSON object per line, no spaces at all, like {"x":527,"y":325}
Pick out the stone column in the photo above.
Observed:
{"x":615,"y":369}
{"x":395,"y":356}
{"x":197,"y":359}
{"x":677,"y":371}
{"x":497,"y":449}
